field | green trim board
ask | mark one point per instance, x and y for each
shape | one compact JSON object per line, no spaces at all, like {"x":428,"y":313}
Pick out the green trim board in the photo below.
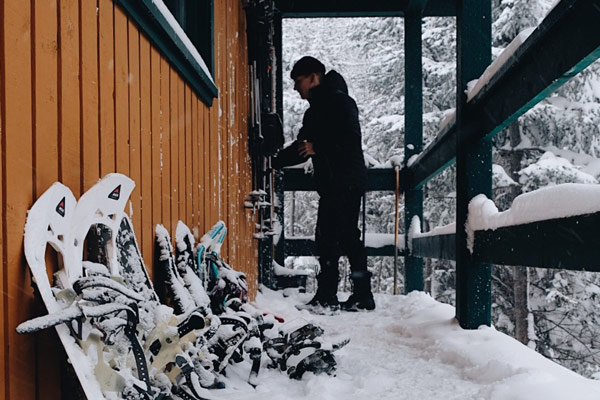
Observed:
{"x":527,"y":78}
{"x":152,"y":22}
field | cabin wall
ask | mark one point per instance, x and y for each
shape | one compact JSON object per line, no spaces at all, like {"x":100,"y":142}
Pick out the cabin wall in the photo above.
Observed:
{"x":84,"y":93}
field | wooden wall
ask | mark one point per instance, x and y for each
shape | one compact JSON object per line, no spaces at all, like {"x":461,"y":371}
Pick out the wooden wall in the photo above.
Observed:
{"x":84,"y":93}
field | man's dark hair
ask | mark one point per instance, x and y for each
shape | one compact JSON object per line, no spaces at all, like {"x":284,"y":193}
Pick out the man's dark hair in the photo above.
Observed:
{"x":306,"y":66}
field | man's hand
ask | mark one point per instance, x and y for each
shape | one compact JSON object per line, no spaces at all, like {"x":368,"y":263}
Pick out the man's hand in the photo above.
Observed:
{"x":305,"y":149}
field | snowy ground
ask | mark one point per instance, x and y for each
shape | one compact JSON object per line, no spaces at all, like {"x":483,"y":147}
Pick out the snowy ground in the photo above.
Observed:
{"x":412,"y":348}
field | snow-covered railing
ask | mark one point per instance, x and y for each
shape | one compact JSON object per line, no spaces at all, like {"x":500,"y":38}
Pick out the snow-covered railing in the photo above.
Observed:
{"x":567,"y":41}
{"x":553,"y":227}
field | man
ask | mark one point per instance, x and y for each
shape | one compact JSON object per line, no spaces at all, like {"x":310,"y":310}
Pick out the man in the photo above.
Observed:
{"x":331,"y":136}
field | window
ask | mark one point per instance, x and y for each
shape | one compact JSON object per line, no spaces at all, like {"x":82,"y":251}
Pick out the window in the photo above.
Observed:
{"x":196,"y":19}
{"x":182,"y":30}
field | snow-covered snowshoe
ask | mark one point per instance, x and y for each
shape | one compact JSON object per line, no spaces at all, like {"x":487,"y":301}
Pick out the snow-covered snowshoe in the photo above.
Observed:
{"x":186,"y":265}
{"x":224,"y":283}
{"x":111,"y":241}
{"x":299,"y":348}
{"x":83,"y":309}
{"x":210,"y":242}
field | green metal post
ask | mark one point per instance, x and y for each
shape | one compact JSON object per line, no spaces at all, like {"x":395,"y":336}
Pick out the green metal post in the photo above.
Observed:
{"x":473,"y":164}
{"x":413,"y":143}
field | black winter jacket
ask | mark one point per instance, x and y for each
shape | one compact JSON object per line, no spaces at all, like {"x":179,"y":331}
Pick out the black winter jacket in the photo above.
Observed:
{"x":331,"y":125}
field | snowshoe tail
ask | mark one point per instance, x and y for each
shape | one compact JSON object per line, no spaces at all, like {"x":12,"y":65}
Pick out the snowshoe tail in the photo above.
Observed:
{"x":186,"y":265}
{"x":103,"y":205}
{"x":175,"y":290}
{"x":49,"y":221}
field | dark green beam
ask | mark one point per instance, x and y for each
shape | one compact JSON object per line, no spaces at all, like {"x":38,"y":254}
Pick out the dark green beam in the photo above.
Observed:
{"x":295,"y":179}
{"x":543,"y":63}
{"x":473,"y":163}
{"x":413,"y":142}
{"x":441,"y":247}
{"x":361,"y":8}
{"x":306,"y":247}
{"x":566,"y":243}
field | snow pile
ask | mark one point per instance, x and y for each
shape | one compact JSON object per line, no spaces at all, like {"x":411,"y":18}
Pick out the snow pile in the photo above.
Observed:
{"x":411,"y":347}
{"x":551,"y":202}
{"x":378,"y":240}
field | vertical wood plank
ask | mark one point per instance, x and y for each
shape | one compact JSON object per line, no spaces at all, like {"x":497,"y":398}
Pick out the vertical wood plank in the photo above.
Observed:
{"x":121,"y":92}
{"x":223,"y":126}
{"x":48,"y":348}
{"x":3,"y":288}
{"x":89,"y":94}
{"x":181,"y":151}
{"x":188,"y":157}
{"x":165,"y":139}
{"x":18,"y":188}
{"x":155,"y":108}
{"x":146,"y":151}
{"x":206,"y":150}
{"x":232,"y":131}
{"x":46,"y":95}
{"x":200,"y":156}
{"x":106,"y":82}
{"x":174,"y":143}
{"x":135,"y":158}
{"x":195,"y":162}
{"x":69,"y":112}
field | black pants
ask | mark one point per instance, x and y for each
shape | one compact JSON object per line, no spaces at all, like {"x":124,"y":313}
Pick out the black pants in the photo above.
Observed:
{"x":337,"y":234}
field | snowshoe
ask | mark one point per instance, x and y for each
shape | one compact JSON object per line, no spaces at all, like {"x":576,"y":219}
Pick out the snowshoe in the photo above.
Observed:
{"x":111,"y":241}
{"x":83,"y":309}
{"x":299,"y":348}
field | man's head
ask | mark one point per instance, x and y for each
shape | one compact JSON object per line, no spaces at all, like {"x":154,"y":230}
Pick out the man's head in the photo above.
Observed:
{"x":307,"y":73}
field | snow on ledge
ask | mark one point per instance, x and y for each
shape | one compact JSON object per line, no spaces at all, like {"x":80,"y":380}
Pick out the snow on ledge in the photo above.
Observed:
{"x":493,"y":68}
{"x":378,"y":240}
{"x":173,"y":24}
{"x":551,"y":202}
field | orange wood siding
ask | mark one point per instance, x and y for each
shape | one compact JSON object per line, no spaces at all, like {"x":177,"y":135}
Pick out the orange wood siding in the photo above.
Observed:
{"x":84,"y":93}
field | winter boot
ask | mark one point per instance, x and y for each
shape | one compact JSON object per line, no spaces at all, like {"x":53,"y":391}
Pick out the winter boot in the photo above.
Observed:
{"x":325,"y":299}
{"x":361,"y":298}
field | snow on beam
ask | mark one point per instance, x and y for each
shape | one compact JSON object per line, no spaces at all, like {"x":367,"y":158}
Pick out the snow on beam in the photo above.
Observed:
{"x":571,"y":243}
{"x":566,"y":42}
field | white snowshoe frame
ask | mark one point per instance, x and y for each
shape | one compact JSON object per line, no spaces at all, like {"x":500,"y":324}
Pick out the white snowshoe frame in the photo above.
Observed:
{"x":49,"y":221}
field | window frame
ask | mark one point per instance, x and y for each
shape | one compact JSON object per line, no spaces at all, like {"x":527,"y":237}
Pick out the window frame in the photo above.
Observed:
{"x":156,"y":21}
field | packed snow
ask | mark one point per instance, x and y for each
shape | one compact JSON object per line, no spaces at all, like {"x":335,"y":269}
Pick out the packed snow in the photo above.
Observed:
{"x":410,"y":347}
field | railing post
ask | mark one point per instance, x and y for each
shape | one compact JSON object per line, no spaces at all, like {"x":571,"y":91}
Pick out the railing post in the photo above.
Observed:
{"x":473,"y":164}
{"x":413,"y":142}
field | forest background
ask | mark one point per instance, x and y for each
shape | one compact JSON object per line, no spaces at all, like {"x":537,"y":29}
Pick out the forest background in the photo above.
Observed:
{"x":558,"y":141}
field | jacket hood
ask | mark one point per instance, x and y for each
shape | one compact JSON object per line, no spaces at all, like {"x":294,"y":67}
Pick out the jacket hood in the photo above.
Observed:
{"x":335,"y":81}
